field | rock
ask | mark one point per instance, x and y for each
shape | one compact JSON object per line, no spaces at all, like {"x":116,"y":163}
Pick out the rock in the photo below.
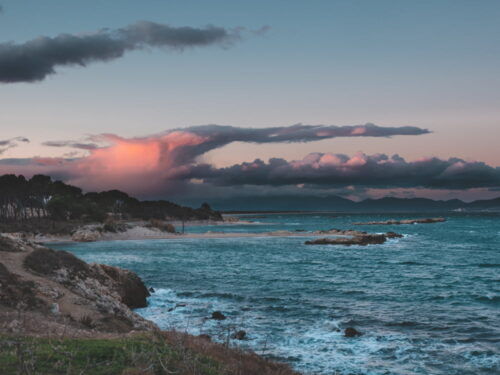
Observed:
{"x":8,"y":245}
{"x":152,"y":290}
{"x":362,"y":240}
{"x":132,"y":290}
{"x":54,"y":309}
{"x":37,"y":279}
{"x":351,"y":332}
{"x":85,"y":235}
{"x":393,"y":235}
{"x":405,"y":221}
{"x":239,"y":335}
{"x":217,"y":315}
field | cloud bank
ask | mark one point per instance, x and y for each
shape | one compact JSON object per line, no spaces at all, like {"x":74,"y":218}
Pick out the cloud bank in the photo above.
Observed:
{"x":337,"y":170}
{"x":160,"y":162}
{"x":34,"y":60}
{"x":166,"y":163}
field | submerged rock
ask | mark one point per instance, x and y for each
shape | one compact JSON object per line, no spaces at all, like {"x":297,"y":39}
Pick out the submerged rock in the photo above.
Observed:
{"x":351,"y":332}
{"x":217,"y":315}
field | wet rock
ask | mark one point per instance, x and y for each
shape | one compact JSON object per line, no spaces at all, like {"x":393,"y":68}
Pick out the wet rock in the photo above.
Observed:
{"x":393,"y":235}
{"x":217,"y":315}
{"x":152,"y":290}
{"x":361,"y":240}
{"x":351,"y":332}
{"x":239,"y":335}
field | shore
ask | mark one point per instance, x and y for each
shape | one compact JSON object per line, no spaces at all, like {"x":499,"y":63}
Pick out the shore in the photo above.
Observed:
{"x":143,"y":233}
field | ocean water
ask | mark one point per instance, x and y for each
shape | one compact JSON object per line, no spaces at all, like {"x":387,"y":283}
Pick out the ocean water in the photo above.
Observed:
{"x":428,"y":303}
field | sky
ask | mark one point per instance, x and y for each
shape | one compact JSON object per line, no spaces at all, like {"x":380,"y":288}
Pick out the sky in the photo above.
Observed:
{"x":175,"y":98}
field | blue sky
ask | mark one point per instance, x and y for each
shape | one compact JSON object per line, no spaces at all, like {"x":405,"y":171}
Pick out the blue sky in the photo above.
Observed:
{"x":432,"y":64}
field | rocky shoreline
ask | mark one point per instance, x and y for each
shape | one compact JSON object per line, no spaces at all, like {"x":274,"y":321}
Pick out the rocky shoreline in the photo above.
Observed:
{"x":67,"y":292}
{"x":58,"y":312}
{"x":355,"y":238}
{"x":404,"y":221}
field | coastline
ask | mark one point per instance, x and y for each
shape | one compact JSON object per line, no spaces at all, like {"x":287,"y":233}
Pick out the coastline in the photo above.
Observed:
{"x":141,"y":233}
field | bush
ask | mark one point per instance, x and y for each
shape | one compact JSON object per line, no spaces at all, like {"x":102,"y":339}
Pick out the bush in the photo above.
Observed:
{"x":161,"y":225}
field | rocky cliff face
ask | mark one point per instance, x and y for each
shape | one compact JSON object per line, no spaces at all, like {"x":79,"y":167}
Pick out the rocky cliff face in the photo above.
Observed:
{"x":52,"y":289}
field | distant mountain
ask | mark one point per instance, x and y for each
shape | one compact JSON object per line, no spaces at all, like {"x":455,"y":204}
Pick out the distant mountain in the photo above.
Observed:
{"x":335,"y":203}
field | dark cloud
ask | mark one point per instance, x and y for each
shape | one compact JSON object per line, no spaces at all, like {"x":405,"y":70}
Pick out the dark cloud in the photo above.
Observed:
{"x":333,"y":170}
{"x":216,"y":136}
{"x":34,"y":60}
{"x":170,"y":162}
{"x":72,"y":144}
{"x":10,"y":143}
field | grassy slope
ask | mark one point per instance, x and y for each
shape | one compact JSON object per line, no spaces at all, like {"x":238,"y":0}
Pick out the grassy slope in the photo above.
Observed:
{"x":158,"y":353}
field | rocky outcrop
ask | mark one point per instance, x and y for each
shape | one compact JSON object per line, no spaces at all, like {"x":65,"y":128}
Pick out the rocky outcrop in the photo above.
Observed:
{"x":405,"y":221}
{"x":57,"y":285}
{"x":9,"y":245}
{"x":85,"y":235}
{"x":359,"y":238}
{"x":129,"y":286}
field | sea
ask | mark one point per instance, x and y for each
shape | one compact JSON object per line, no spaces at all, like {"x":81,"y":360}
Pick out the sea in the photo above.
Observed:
{"x":427,"y":303}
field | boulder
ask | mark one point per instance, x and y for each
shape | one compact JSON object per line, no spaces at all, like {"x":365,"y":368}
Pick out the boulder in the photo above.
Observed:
{"x":85,"y":235}
{"x":217,"y":315}
{"x":129,"y":286}
{"x":351,"y":332}
{"x":239,"y":335}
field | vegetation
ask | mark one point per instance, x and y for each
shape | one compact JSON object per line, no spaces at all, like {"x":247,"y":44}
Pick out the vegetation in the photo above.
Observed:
{"x":158,"y":353}
{"x":40,"y":198}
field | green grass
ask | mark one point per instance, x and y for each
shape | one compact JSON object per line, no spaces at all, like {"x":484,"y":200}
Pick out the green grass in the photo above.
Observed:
{"x":146,"y":354}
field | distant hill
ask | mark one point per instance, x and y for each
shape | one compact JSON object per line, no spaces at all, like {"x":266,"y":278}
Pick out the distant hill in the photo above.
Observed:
{"x":335,"y":203}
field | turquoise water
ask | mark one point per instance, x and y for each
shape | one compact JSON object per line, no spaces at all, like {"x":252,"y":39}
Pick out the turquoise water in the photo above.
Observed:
{"x":428,"y":303}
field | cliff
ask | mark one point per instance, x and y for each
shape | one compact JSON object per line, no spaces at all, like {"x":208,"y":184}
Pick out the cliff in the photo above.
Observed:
{"x":53,"y":290}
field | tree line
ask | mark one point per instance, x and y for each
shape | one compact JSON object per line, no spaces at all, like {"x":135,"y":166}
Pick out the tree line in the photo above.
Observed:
{"x":42,"y":198}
